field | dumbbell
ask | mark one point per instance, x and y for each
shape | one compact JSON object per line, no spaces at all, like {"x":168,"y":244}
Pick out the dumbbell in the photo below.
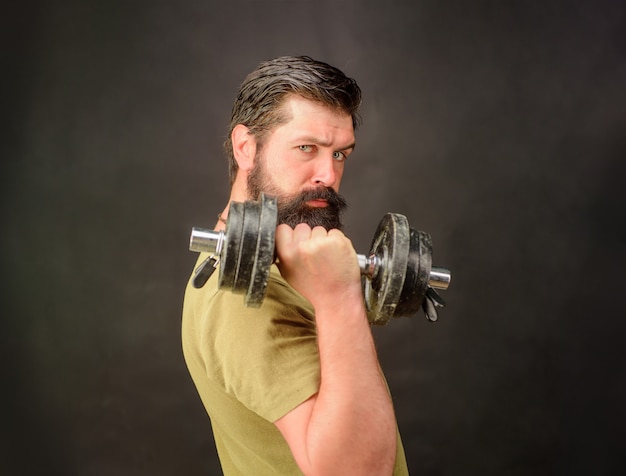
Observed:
{"x":397,"y":275}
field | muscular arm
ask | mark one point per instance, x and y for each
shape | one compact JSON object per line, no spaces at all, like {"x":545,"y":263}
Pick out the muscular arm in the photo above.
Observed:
{"x":349,"y":426}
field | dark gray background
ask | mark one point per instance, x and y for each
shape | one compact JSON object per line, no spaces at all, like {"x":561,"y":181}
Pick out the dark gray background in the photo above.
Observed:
{"x":496,"y":126}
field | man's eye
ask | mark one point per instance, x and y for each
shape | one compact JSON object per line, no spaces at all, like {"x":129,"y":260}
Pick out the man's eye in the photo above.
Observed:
{"x":306,"y":148}
{"x":340,"y":156}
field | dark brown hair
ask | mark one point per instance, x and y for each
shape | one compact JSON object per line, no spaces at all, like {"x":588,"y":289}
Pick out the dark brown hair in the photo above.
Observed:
{"x":261,"y":96}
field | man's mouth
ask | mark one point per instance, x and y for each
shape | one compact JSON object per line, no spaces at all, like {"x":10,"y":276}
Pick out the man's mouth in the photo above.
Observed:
{"x":317,"y":203}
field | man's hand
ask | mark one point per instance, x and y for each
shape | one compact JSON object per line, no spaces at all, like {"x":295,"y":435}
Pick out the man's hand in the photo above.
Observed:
{"x":321,"y":265}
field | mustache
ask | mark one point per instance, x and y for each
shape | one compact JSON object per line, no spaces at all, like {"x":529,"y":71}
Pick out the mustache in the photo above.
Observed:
{"x":334,"y":200}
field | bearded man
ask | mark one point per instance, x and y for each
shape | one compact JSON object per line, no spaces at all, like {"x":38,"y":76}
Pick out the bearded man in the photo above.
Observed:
{"x":295,"y":386}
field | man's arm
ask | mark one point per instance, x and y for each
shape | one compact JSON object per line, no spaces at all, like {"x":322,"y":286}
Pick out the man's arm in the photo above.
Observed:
{"x":349,"y":426}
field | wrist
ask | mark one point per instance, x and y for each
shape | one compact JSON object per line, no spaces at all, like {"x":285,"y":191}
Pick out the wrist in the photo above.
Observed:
{"x":345,"y":306}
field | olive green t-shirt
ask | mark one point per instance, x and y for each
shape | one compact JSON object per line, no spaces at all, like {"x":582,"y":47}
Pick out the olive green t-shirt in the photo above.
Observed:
{"x":252,"y":366}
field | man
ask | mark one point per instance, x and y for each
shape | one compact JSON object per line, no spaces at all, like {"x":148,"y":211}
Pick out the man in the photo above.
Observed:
{"x":294,"y":386}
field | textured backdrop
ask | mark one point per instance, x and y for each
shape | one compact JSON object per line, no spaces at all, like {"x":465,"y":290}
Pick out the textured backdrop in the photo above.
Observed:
{"x":496,"y":126}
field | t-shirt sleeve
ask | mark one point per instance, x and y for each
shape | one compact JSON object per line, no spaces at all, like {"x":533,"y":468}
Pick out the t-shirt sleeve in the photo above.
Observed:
{"x":267,"y":358}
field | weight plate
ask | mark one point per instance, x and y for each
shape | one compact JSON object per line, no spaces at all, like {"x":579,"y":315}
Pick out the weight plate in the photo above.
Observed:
{"x":247,"y":250}
{"x":231,"y":246}
{"x":417,"y":274}
{"x":264,"y":252}
{"x":391,"y":246}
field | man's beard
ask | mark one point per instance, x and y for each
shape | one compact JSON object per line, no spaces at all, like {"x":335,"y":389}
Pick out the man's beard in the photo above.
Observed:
{"x":293,"y":209}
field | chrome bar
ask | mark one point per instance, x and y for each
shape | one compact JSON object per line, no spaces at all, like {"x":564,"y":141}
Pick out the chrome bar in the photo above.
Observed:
{"x":208,"y":241}
{"x":439,"y":278}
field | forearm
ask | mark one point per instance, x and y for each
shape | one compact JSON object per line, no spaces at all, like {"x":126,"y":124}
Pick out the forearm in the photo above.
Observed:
{"x":352,"y":429}
{"x":349,"y":426}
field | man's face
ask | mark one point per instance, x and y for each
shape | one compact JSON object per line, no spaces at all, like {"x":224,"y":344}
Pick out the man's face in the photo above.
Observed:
{"x":301,"y":163}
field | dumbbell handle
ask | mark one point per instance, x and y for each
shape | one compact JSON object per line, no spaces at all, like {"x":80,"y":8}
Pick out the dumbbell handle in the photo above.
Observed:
{"x":211,"y":241}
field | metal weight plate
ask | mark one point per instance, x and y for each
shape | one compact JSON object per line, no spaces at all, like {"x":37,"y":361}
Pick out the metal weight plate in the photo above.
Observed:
{"x":417,"y":274}
{"x":391,"y":246}
{"x":264,"y":255}
{"x":247,"y":250}
{"x":232,"y":244}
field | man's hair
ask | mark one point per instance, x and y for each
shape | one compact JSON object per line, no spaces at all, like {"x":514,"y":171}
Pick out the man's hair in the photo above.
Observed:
{"x":262,"y":94}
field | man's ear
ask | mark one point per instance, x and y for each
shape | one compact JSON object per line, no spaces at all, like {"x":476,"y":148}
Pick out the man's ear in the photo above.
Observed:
{"x":244,"y":147}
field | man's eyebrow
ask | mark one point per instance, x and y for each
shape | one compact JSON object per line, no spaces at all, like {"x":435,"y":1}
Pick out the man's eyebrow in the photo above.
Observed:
{"x":322,"y":142}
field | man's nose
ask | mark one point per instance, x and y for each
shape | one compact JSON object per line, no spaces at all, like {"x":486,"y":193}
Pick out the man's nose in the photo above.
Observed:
{"x":325,"y":172}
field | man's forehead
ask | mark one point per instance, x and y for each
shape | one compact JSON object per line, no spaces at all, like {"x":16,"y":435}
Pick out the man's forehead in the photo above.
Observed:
{"x":306,"y":119}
